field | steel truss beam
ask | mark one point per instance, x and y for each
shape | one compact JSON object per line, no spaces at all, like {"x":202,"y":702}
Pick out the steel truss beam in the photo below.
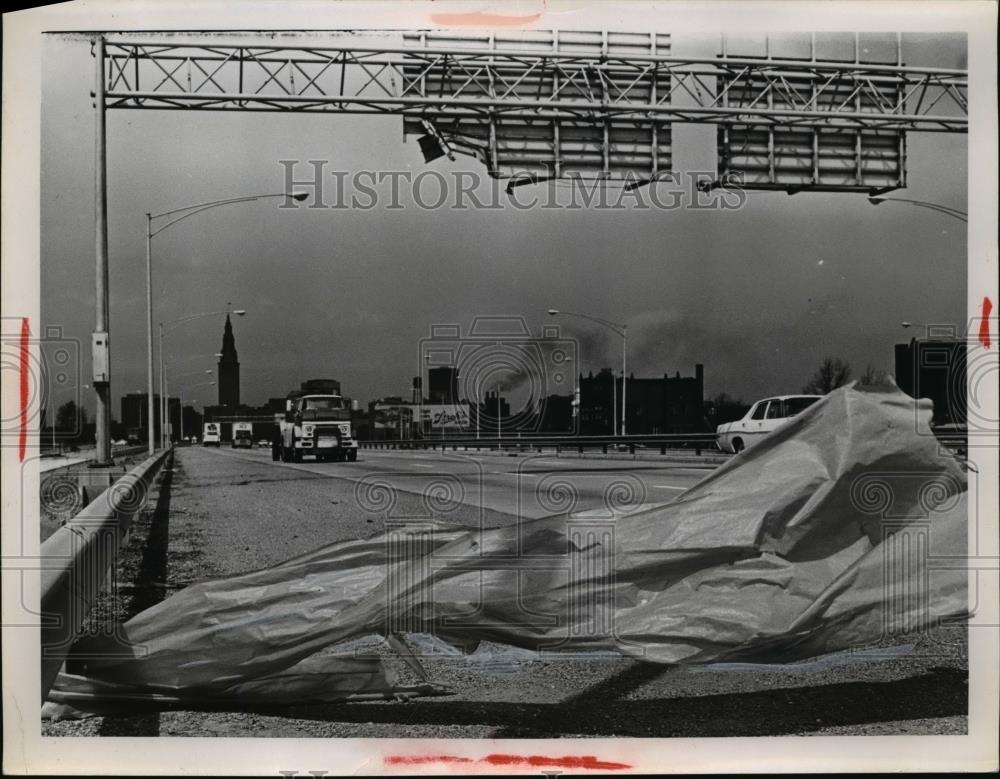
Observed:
{"x":450,"y":83}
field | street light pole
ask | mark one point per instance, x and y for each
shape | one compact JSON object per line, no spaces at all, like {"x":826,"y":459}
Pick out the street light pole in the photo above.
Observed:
{"x":614,"y":401}
{"x":163,"y":405}
{"x":164,"y":432}
{"x":962,"y":216}
{"x":151,"y":438}
{"x":624,"y":380}
{"x":181,"y":401}
{"x":620,"y":329}
{"x":933,"y":331}
{"x":161,"y":384}
{"x":184,"y":212}
{"x":163,"y":428}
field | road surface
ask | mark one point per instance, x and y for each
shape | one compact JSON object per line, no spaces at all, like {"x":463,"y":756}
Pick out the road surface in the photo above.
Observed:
{"x":224,"y":511}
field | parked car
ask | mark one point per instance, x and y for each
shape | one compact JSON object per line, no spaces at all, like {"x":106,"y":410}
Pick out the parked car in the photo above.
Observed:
{"x":763,"y":417}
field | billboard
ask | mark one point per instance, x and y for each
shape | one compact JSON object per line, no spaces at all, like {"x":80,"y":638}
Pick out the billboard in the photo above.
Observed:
{"x":540,"y":138}
{"x":435,"y":416}
{"x":447,"y":416}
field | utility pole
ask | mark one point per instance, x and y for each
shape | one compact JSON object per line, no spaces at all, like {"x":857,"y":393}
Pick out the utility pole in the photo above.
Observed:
{"x":149,"y":339}
{"x":101,"y":348}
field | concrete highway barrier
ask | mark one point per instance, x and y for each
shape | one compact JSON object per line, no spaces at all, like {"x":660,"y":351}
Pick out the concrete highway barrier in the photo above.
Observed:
{"x":76,"y":560}
{"x":664,"y":443}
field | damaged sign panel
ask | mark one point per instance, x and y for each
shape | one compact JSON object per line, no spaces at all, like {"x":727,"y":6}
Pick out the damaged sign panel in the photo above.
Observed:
{"x":535,"y":116}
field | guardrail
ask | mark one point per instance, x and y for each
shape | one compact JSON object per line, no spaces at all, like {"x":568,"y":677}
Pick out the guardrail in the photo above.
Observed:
{"x":955,"y":439}
{"x":67,"y":450}
{"x":691,"y":442}
{"x":126,"y":450}
{"x":76,"y":560}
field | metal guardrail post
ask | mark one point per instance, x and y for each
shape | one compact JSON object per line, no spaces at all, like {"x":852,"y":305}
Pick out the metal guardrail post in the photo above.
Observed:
{"x":76,"y":560}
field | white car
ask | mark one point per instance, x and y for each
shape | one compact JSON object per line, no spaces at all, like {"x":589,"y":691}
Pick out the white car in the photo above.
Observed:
{"x":763,"y":417}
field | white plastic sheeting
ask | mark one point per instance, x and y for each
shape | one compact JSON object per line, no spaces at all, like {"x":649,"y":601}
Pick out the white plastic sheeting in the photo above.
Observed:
{"x":845,"y":527}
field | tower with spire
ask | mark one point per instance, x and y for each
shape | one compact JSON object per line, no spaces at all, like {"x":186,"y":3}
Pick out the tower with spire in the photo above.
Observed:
{"x":229,"y":369}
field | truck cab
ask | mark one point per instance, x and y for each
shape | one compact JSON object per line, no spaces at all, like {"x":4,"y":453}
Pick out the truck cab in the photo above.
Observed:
{"x":317,"y":426}
{"x":242,"y":435}
{"x":211,"y":434}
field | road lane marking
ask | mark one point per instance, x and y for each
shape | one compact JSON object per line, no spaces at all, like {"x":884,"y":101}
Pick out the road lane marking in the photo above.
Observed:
{"x":616,"y":511}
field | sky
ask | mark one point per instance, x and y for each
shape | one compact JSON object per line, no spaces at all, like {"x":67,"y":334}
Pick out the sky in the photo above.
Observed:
{"x":760,"y":295}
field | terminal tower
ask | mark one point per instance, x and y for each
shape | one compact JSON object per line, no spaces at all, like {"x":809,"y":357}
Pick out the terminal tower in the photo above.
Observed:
{"x":229,"y":369}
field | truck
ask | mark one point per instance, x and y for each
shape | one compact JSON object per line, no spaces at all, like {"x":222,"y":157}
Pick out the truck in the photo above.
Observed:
{"x":315,"y":425}
{"x":242,"y":435}
{"x":211,"y":435}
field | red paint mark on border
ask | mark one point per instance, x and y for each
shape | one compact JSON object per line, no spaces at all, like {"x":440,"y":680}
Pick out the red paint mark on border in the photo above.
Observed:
{"x":22,"y":440}
{"x":984,"y":324}
{"x":479,"y":19}
{"x":533,"y":761}
{"x":418,"y":759}
{"x":569,"y":761}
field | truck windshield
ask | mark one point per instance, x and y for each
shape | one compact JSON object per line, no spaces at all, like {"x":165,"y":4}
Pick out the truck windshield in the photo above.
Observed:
{"x":322,"y":404}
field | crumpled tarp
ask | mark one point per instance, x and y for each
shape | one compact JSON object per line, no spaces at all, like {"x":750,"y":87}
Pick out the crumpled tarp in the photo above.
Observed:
{"x":839,"y":530}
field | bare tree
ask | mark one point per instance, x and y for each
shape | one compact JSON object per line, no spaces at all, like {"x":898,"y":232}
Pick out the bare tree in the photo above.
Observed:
{"x":875,"y":377}
{"x":70,"y":418}
{"x":725,"y":408}
{"x":833,"y":373}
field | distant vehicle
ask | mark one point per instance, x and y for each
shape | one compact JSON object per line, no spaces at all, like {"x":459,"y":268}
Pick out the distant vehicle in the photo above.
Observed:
{"x":627,"y":447}
{"x":315,"y":425}
{"x":210,"y":434}
{"x":263,"y":442}
{"x":763,"y":417}
{"x":242,"y":435}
